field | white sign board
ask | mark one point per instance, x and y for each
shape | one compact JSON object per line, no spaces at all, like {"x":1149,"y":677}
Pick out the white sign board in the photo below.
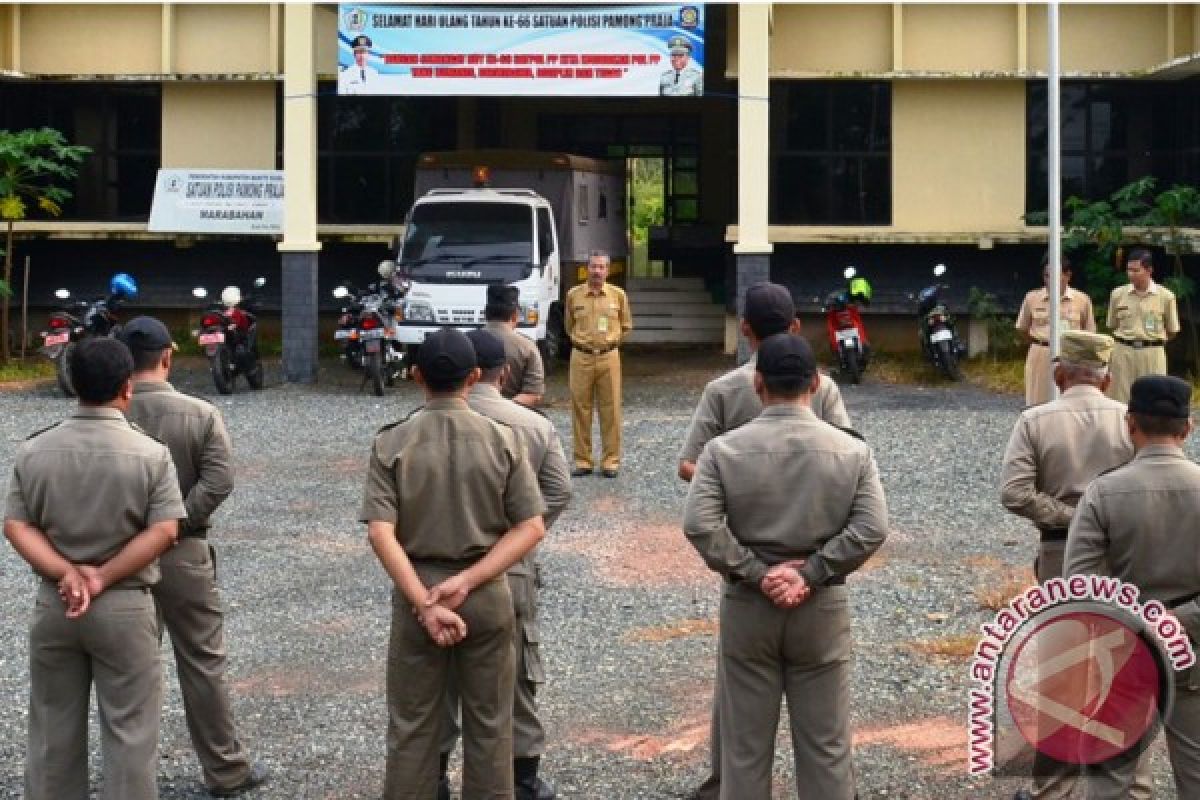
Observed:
{"x":218,"y":201}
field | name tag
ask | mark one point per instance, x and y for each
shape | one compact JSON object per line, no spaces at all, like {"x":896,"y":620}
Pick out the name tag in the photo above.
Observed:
{"x":602,"y":324}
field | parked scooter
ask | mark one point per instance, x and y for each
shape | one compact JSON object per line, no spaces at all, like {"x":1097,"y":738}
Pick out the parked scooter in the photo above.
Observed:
{"x":936,"y":331}
{"x":844,"y":324}
{"x":229,"y":335}
{"x":367,"y":330}
{"x":81,"y":320}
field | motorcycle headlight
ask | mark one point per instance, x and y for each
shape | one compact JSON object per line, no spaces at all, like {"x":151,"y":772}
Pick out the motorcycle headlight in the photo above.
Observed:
{"x":418,"y":312}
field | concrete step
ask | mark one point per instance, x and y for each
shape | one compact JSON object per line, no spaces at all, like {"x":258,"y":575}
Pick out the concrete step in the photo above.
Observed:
{"x":678,"y":310}
{"x":679,"y":323}
{"x":671,"y":296}
{"x":692,"y":336}
{"x":637,"y":284}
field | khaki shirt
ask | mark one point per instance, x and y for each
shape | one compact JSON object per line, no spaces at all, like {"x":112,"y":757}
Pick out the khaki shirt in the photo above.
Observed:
{"x":597,"y":320}
{"x":451,"y":480}
{"x":1149,"y":317}
{"x":192,"y":429}
{"x":1055,"y":451}
{"x":91,"y":484}
{"x":728,"y":402}
{"x":1074,"y":310}
{"x":786,"y":485}
{"x":526,"y":374}
{"x":1141,"y":519}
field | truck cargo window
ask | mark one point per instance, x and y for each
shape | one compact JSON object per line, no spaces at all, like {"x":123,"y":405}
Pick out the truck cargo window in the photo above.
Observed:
{"x":583,"y":203}
{"x":602,"y":206}
{"x":545,"y":236}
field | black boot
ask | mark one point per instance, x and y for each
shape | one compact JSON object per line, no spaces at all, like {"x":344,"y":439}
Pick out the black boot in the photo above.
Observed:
{"x":443,"y":780}
{"x":526,"y":782}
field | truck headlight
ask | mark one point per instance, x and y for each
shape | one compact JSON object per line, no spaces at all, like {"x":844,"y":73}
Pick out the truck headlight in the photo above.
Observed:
{"x":418,"y":312}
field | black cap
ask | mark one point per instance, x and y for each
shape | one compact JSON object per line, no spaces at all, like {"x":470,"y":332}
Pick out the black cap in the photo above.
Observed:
{"x":361,"y":41}
{"x":1161,"y":396}
{"x":786,"y":354}
{"x":769,"y":309}
{"x":446,"y":356}
{"x":145,"y":333}
{"x":489,"y":349}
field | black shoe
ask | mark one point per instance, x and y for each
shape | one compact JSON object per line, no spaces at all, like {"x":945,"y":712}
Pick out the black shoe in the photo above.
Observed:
{"x":579,"y":472}
{"x":443,"y":788}
{"x":1023,"y":794}
{"x":259,"y":774}
{"x":609,"y":473}
{"x":527,"y":784}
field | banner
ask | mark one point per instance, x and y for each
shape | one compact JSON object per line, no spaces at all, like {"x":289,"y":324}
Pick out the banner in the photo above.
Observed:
{"x":217,"y":201}
{"x":590,"y":50}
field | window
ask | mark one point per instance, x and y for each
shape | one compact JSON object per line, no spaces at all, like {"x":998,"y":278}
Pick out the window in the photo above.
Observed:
{"x":545,"y":235}
{"x":831,"y":153}
{"x":582,"y":202}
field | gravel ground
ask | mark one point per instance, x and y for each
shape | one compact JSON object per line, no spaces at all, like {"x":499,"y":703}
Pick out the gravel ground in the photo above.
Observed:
{"x":628,"y":610}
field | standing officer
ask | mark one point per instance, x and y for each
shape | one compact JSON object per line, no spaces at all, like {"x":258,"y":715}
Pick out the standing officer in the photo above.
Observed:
{"x":784,"y":508}
{"x":1033,"y":321}
{"x":1054,"y":452}
{"x":537,"y":435}
{"x":526,"y":378}
{"x":683,"y":78}
{"x":451,"y":503}
{"x":1139,"y":519}
{"x":1142,"y":317}
{"x":194,"y":432}
{"x":597,"y":320}
{"x":92,"y":503}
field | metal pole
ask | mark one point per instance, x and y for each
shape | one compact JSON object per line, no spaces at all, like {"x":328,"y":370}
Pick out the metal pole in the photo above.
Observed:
{"x":25,"y":309}
{"x":1054,"y":131}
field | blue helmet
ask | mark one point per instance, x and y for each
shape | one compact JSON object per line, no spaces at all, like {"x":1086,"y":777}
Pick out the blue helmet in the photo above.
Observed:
{"x":123,"y":284}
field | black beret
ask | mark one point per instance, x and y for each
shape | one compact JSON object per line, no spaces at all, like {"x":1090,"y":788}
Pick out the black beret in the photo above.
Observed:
{"x":446,"y":355}
{"x":786,"y":354}
{"x":769,"y":309}
{"x":145,"y":333}
{"x":500,"y":294}
{"x":362,"y":40}
{"x":1161,"y":396}
{"x":489,"y":349}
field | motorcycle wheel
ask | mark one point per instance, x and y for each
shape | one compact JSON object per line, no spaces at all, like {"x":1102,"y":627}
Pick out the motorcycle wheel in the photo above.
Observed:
{"x":254,"y":375}
{"x":374,"y":366}
{"x":222,"y":370}
{"x":948,"y":360}
{"x":62,"y":370}
{"x":854,"y":367}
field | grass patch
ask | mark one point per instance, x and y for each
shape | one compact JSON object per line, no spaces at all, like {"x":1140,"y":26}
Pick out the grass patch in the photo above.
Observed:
{"x":960,"y":646}
{"x":911,"y":369}
{"x":997,"y":375}
{"x":999,"y":592}
{"x":29,"y":370}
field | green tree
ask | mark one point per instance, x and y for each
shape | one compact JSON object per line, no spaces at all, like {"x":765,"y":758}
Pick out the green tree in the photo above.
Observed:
{"x":34,"y":166}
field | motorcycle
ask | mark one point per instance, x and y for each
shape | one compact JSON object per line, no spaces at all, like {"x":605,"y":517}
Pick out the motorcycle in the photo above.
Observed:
{"x":229,"y":335}
{"x":367,"y":332}
{"x":81,"y":320}
{"x":936,"y":331}
{"x":844,"y":325}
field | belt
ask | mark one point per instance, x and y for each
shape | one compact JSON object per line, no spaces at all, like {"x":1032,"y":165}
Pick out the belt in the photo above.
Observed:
{"x":1040,"y":343}
{"x":1137,"y":344}
{"x":597,"y":351}
{"x":1053,"y":534}
{"x":189,"y":534}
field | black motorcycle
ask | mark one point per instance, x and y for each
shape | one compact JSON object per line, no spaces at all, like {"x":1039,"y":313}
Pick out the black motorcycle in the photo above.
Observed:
{"x":229,"y":335}
{"x":367,"y":332}
{"x":939,"y":338}
{"x":81,"y":320}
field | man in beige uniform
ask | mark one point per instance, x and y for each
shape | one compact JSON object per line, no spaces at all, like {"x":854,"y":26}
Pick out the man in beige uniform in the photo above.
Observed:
{"x":1138,"y":522}
{"x":525,"y":380}
{"x":597,"y":320}
{"x":785,"y":507}
{"x":1054,"y":452}
{"x":537,"y":435}
{"x":91,"y":504}
{"x":1142,"y":317}
{"x":1075,"y":313}
{"x":451,"y":503}
{"x":187,"y":597}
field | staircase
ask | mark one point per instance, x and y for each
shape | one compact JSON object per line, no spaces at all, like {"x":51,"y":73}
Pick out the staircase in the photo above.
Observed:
{"x":675,"y":311}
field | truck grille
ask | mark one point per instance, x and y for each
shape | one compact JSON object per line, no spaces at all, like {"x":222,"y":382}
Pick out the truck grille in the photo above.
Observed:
{"x":459,"y":316}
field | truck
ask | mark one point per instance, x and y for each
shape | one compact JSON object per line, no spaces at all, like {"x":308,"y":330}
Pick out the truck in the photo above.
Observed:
{"x":520,"y":218}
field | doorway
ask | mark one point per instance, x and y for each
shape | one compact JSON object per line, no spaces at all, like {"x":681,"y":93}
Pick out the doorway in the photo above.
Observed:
{"x":646,"y":193}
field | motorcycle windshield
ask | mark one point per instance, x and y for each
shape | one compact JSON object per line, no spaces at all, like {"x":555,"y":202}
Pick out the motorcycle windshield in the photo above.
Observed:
{"x":468,"y":243}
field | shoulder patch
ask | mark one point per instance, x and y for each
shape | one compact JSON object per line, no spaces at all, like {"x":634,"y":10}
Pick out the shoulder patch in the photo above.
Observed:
{"x":851,"y":432}
{"x":35,"y":434}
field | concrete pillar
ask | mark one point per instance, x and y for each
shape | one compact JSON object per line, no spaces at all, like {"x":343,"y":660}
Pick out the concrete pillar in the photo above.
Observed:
{"x":299,"y":247}
{"x":753,"y":247}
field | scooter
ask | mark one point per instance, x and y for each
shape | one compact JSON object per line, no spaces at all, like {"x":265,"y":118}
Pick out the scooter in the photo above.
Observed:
{"x":229,"y":335}
{"x":367,"y":332}
{"x":81,"y":320}
{"x":844,"y":325}
{"x":936,"y":332}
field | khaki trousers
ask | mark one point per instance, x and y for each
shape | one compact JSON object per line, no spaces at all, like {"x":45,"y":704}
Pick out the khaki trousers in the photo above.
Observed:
{"x":1130,"y":363}
{"x":596,"y":380}
{"x":113,"y":646}
{"x":1039,"y":378}
{"x":529,"y":737}
{"x":417,"y":674}
{"x":191,"y":612}
{"x":804,"y":654}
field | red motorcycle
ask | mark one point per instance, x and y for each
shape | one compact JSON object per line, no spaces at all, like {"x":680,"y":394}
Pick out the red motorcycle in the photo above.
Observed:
{"x":229,"y":335}
{"x":844,"y":324}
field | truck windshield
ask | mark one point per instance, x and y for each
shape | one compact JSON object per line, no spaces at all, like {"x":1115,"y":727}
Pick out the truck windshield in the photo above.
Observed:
{"x":475,"y":242}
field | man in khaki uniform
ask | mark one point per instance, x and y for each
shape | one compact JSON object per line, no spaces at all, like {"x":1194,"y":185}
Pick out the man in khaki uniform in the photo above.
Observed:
{"x":1137,"y":522}
{"x":537,"y":435}
{"x":451,"y":503}
{"x":91,"y":504}
{"x":1142,"y":317}
{"x":785,"y":507}
{"x":597,"y":320}
{"x":187,"y":597}
{"x":1054,"y":452}
{"x":525,"y":380}
{"x":1075,"y":313}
